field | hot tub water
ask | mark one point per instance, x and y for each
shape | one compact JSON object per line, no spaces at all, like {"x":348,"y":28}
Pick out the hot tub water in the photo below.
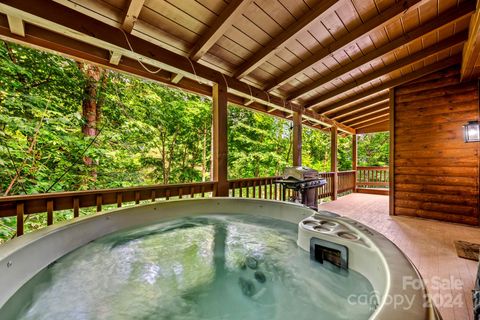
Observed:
{"x":211,"y":267}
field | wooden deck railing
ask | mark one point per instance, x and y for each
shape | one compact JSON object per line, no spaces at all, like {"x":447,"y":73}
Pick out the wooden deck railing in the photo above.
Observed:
{"x":373,"y":179}
{"x":48,"y":203}
{"x":346,"y":181}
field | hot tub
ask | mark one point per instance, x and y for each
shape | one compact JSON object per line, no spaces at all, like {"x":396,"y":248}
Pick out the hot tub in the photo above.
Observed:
{"x":209,"y":259}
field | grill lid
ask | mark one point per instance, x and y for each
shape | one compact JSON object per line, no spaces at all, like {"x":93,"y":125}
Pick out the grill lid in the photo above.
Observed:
{"x":300,"y":173}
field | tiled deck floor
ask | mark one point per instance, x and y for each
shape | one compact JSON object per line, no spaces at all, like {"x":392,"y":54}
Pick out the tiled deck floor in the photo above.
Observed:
{"x":429,"y":244}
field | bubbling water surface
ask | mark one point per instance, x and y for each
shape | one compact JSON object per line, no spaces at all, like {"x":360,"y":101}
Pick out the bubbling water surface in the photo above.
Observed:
{"x":211,"y":267}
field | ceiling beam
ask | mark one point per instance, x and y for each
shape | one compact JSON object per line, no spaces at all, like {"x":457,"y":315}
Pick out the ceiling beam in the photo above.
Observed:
{"x":372,"y":116}
{"x":374,"y":23}
{"x":278,"y":42}
{"x":358,"y":107}
{"x":465,"y":9}
{"x":471,"y":50}
{"x":372,"y":122}
{"x":16,"y":25}
{"x":131,"y":14}
{"x":59,"y":22}
{"x":372,"y":110}
{"x":399,"y":64}
{"x":445,"y":63}
{"x":224,"y":21}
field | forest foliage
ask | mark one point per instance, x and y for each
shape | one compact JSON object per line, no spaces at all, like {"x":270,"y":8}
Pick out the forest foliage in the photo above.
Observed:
{"x":142,"y":132}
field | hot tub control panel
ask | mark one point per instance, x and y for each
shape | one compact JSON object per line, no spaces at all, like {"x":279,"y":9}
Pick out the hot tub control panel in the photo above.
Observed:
{"x":321,"y":224}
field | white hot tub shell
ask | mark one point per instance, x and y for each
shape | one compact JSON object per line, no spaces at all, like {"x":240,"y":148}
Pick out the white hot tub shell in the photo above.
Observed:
{"x":369,"y":252}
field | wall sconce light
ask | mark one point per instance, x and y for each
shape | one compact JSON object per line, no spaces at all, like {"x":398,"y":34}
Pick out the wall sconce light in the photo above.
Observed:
{"x":472,"y":131}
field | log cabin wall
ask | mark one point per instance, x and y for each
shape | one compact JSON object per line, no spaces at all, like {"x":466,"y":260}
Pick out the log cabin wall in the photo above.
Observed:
{"x":436,"y":174}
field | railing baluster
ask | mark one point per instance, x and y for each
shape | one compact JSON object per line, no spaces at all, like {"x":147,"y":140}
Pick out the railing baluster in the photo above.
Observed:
{"x":233,"y":189}
{"x":99,"y":202}
{"x":49,"y":212}
{"x":203,"y":191}
{"x":20,"y":218}
{"x":192,"y":192}
{"x":153,"y":195}
{"x":271,"y":185}
{"x":167,"y":194}
{"x":275,"y":191}
{"x":180,"y":193}
{"x":241,"y":189}
{"x":137,"y":197}
{"x":76,"y":207}
{"x":119,"y":200}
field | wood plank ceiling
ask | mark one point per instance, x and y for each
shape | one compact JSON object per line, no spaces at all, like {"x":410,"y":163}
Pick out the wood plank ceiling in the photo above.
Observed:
{"x":331,"y":59}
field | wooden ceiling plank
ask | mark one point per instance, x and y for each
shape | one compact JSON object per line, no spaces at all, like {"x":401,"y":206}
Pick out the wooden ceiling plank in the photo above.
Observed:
{"x":225,"y":20}
{"x":131,"y":14}
{"x":373,"y":115}
{"x":465,"y":9}
{"x":366,"y":112}
{"x":373,"y":122}
{"x":89,"y":32}
{"x":278,"y":42}
{"x":372,"y":24}
{"x":399,"y":64}
{"x":471,"y":50}
{"x":357,"y":107}
{"x":16,"y":25}
{"x":442,"y":64}
{"x":339,"y":107}
{"x":378,"y":127}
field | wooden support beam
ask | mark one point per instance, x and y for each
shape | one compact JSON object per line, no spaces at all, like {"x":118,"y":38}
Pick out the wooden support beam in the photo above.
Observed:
{"x":471,"y":51}
{"x":219,"y":139}
{"x":176,"y":78}
{"x":365,"y":114}
{"x":334,"y":160}
{"x":131,"y":14}
{"x":399,"y":64}
{"x":59,"y":28}
{"x":297,"y":139}
{"x":284,"y":37}
{"x":465,"y":9}
{"x":354,"y":160}
{"x":445,"y":63}
{"x":391,"y":162}
{"x":375,"y":23}
{"x":357,"y":107}
{"x":224,"y":21}
{"x":115,"y":58}
{"x":16,"y":25}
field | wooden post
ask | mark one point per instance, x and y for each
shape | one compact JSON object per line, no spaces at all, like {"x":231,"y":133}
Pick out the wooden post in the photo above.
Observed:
{"x":354,"y":160}
{"x":391,"y":163}
{"x":219,"y":139}
{"x":333,"y":161}
{"x":297,"y":139}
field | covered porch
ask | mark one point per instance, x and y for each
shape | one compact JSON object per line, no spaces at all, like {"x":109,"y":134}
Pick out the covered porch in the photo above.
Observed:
{"x":343,"y":67}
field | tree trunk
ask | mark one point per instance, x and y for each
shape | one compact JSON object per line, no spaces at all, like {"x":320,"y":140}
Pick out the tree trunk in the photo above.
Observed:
{"x":91,"y":105}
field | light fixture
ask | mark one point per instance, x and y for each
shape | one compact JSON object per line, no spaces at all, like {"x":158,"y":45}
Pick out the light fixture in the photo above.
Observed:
{"x":472,"y":131}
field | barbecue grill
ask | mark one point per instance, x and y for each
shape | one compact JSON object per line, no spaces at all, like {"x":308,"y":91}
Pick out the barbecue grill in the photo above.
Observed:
{"x":304,"y":183}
